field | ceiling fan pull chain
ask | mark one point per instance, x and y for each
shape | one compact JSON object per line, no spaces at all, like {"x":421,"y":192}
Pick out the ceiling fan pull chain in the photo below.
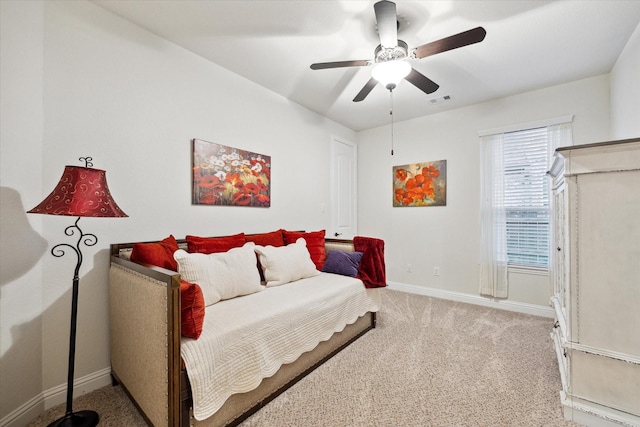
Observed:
{"x":391,"y":114}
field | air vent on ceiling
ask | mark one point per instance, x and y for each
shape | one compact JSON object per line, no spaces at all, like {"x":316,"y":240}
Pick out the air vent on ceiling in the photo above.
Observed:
{"x":440,"y":99}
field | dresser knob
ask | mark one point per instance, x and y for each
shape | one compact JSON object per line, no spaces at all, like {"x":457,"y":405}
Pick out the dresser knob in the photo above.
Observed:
{"x":558,"y":249}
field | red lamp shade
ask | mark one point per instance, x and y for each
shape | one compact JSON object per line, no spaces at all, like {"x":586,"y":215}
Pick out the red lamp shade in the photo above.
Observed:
{"x":82,"y":191}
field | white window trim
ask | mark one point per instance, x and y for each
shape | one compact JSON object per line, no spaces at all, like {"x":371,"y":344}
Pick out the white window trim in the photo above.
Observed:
{"x":529,"y":125}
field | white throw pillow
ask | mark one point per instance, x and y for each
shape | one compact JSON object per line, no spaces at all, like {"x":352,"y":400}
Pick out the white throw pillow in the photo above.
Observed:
{"x":286,"y":264}
{"x":221,"y":275}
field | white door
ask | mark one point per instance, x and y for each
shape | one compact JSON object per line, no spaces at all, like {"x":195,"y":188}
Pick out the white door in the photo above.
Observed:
{"x":343,"y":189}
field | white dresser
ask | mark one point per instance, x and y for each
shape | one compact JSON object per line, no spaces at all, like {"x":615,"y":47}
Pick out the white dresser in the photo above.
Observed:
{"x":596,"y":281}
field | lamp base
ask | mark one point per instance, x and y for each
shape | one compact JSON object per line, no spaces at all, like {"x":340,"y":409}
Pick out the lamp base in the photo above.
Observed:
{"x":77,"y":419}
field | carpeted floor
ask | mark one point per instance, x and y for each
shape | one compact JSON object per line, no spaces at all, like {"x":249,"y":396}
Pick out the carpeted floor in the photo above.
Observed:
{"x":430,"y":362}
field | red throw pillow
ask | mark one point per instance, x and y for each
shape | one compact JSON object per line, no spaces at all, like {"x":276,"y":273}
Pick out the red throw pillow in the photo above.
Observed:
{"x":315,"y":244}
{"x":191,"y":309}
{"x":273,"y":238}
{"x":159,"y":254}
{"x":210,"y":245}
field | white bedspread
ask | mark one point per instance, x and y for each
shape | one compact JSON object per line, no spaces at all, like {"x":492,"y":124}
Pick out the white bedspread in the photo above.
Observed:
{"x":248,"y":338}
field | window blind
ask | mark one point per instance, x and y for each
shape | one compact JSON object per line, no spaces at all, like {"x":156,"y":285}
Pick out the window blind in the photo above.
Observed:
{"x":526,"y":197}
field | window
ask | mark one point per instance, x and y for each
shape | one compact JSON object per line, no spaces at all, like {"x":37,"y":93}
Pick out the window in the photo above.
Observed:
{"x":526,"y":197}
{"x":514,"y":208}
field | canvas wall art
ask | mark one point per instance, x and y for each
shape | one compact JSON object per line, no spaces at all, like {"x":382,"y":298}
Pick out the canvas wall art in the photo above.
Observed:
{"x":228,"y":176}
{"x":420,"y":184}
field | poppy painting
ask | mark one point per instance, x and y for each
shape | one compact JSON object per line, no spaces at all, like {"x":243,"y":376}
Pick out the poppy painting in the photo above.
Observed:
{"x":420,"y":184}
{"x":227,"y":176}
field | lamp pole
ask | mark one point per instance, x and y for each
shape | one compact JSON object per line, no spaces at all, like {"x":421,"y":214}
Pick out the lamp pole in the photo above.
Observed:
{"x":80,"y":418}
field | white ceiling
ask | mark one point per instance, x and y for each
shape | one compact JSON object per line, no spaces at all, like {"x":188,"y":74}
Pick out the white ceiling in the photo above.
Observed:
{"x":529,"y":45}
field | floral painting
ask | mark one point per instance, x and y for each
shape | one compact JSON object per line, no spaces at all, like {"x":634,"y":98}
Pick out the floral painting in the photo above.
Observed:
{"x":229,"y":176}
{"x":420,"y":184}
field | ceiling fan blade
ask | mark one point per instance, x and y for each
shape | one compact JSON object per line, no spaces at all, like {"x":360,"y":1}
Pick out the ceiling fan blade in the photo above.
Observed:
{"x":465,"y":38}
{"x":365,"y":90}
{"x":422,"y":82}
{"x":387,"y":21}
{"x":340,"y":64}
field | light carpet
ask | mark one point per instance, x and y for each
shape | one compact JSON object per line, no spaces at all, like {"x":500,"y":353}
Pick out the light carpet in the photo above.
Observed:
{"x":429,"y":362}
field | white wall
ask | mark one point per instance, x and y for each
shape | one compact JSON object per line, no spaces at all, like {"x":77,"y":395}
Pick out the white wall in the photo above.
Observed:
{"x":625,"y":91}
{"x":79,"y":81}
{"x":21,"y":134}
{"x":449,"y":237}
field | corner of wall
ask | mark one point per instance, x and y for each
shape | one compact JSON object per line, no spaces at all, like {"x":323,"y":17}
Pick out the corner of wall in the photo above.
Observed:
{"x":625,"y":90}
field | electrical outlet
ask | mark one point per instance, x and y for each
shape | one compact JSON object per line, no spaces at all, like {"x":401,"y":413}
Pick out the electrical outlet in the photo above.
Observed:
{"x":409,"y":268}
{"x":436,"y":271}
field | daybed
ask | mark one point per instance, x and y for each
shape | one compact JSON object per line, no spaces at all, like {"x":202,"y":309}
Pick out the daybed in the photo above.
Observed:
{"x":156,"y":365}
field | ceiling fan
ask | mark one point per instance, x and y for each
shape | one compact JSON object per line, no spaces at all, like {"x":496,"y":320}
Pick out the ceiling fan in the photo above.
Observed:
{"x":391,"y":55}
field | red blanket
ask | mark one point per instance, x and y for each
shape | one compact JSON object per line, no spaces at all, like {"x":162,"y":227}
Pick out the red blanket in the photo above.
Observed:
{"x":372,"y":269}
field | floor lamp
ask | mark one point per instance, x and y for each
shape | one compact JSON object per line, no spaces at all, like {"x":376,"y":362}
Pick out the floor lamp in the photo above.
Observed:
{"x":82,"y":191}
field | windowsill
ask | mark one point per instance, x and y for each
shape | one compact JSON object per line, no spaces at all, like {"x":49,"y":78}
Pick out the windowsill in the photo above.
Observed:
{"x":523,"y":269}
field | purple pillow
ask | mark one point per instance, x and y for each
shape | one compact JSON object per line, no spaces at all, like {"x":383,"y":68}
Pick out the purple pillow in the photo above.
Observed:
{"x":344,"y":263}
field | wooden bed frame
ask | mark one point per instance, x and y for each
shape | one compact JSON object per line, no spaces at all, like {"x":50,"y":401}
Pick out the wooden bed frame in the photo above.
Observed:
{"x":145,"y":346}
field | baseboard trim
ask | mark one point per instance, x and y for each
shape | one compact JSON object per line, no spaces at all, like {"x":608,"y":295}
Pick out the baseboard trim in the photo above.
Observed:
{"x":519,"y":307}
{"x":55,"y":396}
{"x":587,"y":413}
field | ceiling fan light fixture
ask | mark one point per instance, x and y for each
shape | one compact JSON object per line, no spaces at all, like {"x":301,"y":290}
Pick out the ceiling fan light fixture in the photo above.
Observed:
{"x":390,"y":73}
{"x":392,"y":53}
